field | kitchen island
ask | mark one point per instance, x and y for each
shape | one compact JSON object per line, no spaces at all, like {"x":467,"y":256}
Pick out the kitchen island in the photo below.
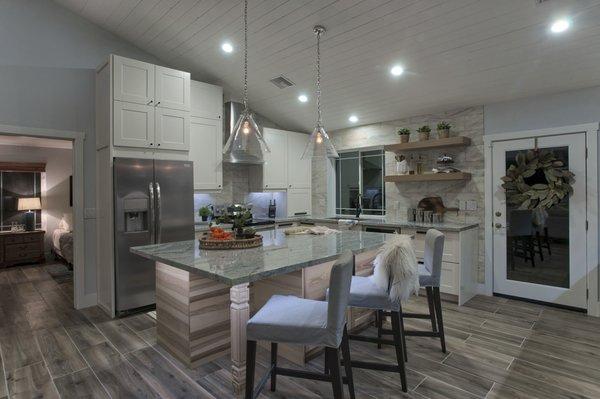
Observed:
{"x":203,"y":297}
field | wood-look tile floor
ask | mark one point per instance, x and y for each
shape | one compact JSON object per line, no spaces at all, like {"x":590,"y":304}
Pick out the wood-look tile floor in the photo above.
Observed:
{"x":497,"y":348}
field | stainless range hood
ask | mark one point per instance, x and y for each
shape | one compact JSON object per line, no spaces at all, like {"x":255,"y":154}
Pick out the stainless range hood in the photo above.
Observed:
{"x":231,"y":114}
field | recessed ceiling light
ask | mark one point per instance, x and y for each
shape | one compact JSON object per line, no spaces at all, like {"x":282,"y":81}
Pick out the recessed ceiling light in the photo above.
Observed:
{"x":560,"y":25}
{"x":227,"y":47}
{"x":397,"y":70}
{"x":302,"y":98}
{"x":353,"y":118}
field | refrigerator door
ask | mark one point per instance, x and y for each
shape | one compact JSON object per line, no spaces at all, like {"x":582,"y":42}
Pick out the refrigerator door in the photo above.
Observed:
{"x":134,"y":226}
{"x":174,"y":183}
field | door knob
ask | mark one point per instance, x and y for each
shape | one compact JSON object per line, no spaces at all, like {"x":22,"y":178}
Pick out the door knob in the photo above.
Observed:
{"x":498,"y":213}
{"x":498,"y":225}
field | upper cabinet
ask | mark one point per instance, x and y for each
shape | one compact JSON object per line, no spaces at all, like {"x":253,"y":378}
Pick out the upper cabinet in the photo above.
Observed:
{"x":207,"y":100}
{"x":133,"y":81}
{"x":206,"y":136}
{"x":298,"y":169}
{"x":172,"y":88}
{"x":283,"y":168}
{"x":150,"y":105}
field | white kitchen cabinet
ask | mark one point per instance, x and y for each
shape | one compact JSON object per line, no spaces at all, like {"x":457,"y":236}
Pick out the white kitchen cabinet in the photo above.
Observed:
{"x":133,"y":81}
{"x":298,"y":169}
{"x":275,"y":166}
{"x":299,"y":201}
{"x":207,"y":100}
{"x":133,"y":125}
{"x":172,"y":129}
{"x":206,"y":152}
{"x":172,"y":89}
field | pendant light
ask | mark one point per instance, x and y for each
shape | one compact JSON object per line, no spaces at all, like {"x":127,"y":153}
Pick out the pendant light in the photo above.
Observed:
{"x":319,"y":145}
{"x":245,"y":143}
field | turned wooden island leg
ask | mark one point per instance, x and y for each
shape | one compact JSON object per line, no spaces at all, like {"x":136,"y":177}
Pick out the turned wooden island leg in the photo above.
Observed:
{"x":239,"y":313}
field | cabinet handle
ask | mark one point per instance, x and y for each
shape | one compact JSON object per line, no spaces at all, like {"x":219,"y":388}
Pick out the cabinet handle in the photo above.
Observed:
{"x":219,"y":186}
{"x":151,"y":144}
{"x":151,"y":101}
{"x":421,"y":232}
{"x":158,"y":103}
{"x":158,"y":145}
{"x":290,"y":185}
{"x":266,"y":185}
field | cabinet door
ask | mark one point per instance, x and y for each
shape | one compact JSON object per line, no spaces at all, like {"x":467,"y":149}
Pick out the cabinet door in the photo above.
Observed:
{"x":172,"y":89}
{"x":172,"y":129}
{"x":133,"y":80}
{"x":206,"y":100}
{"x":206,"y":152}
{"x":275,"y":166}
{"x":299,"y":170}
{"x":299,"y":201}
{"x":133,"y":125}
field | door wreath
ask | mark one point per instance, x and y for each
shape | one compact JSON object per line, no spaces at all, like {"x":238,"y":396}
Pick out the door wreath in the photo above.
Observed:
{"x":523,"y":180}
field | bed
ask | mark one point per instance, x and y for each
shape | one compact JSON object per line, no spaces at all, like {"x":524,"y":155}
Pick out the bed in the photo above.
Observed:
{"x":62,"y":243}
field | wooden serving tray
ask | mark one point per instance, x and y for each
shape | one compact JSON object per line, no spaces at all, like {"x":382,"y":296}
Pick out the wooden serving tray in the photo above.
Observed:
{"x":236,"y":243}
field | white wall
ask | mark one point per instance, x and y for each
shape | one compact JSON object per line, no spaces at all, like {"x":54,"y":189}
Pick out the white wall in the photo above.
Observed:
{"x":47,"y":60}
{"x":55,"y":187}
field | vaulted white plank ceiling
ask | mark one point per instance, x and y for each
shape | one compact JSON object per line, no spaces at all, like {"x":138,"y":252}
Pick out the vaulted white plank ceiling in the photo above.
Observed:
{"x":455,"y":52}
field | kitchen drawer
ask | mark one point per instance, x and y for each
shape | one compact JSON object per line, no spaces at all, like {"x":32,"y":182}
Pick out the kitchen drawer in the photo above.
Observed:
{"x":451,"y":244}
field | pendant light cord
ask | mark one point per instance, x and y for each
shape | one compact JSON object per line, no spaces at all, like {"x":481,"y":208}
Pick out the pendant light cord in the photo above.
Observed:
{"x":246,"y":55}
{"x":318,"y":93}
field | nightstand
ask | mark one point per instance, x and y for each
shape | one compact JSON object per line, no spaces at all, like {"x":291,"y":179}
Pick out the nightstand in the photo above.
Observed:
{"x":21,"y":247}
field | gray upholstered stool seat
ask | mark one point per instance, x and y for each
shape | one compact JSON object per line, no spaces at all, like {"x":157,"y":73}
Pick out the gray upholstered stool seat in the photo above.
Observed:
{"x":364,"y":293}
{"x":425,"y":277}
{"x":286,"y":318}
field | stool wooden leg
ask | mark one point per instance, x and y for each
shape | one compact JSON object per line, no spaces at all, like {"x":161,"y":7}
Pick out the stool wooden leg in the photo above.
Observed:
{"x":429,"y":291}
{"x":402,"y":332}
{"x":399,"y":349}
{"x":332,"y":356}
{"x":438,"y":311}
{"x":273,"y":365}
{"x":379,"y":320}
{"x":347,"y":365}
{"x":250,"y":364}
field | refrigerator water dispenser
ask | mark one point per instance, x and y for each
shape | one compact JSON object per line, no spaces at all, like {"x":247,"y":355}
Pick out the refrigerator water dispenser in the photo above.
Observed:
{"x":136,"y":214}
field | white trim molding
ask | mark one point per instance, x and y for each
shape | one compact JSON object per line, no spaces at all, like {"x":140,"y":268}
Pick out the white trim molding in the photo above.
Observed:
{"x":81,"y":300}
{"x":592,"y":198}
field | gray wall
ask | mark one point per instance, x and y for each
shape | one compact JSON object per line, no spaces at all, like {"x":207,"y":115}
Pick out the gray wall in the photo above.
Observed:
{"x":47,"y":63}
{"x":553,"y":110}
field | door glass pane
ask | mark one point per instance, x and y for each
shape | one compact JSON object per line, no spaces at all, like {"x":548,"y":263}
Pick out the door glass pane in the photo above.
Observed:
{"x":372,"y":183}
{"x":537,"y":241}
{"x":347,"y":185}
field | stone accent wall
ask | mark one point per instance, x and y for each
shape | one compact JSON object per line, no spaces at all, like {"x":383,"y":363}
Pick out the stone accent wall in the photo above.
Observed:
{"x":465,"y":122}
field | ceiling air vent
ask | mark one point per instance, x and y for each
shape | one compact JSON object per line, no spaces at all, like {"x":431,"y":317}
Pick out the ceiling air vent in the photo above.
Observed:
{"x":282,"y":82}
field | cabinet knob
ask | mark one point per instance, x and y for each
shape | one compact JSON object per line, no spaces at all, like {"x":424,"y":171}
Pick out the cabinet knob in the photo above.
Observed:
{"x":158,"y":145}
{"x":151,"y":101}
{"x":266,"y":185}
{"x":151,"y":144}
{"x":158,"y":102}
{"x":219,"y":186}
{"x":290,"y":185}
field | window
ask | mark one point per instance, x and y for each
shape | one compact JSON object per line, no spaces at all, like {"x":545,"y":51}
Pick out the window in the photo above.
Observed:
{"x":360,"y":173}
{"x":15,"y":185}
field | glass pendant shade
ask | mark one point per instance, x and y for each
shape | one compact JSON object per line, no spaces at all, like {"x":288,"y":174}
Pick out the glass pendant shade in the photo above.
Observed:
{"x":245,"y":144}
{"x":319,"y":145}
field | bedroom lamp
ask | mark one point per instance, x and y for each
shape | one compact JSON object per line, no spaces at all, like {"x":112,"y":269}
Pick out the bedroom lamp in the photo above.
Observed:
{"x":29,"y":205}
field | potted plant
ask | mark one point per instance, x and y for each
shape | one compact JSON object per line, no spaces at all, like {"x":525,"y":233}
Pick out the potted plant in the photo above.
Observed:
{"x":404,"y":134}
{"x":424,"y":133}
{"x":204,"y":213}
{"x":443,"y":129}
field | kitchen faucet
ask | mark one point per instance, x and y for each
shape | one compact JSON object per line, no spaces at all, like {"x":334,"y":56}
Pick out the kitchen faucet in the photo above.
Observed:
{"x":358,"y":205}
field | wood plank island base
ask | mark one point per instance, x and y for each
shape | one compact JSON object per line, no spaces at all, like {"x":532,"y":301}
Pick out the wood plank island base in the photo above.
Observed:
{"x":204,"y":298}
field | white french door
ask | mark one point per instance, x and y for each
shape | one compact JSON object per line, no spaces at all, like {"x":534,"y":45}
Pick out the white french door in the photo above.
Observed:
{"x":541,"y":254}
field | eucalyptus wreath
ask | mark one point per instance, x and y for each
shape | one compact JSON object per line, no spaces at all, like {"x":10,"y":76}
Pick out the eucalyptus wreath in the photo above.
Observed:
{"x":558,"y":180}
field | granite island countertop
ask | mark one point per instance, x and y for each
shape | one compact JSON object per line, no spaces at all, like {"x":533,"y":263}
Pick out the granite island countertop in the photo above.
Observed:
{"x":279,"y":254}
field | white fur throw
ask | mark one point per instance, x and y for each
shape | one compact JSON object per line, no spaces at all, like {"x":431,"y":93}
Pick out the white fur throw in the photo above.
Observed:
{"x":396,"y":267}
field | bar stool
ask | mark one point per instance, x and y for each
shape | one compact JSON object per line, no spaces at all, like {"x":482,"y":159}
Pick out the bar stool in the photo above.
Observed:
{"x":364,"y":293}
{"x":289,"y":319}
{"x":430,"y":271}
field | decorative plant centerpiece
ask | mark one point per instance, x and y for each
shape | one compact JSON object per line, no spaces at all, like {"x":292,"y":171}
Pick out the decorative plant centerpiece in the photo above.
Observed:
{"x":204,"y":213}
{"x":537,"y":180}
{"x":443,"y":129}
{"x":424,"y":133}
{"x":239,"y":222}
{"x":241,"y":237}
{"x":404,"y":134}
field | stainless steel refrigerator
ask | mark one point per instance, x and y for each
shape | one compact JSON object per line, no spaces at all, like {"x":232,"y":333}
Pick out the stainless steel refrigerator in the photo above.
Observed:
{"x":153,"y":203}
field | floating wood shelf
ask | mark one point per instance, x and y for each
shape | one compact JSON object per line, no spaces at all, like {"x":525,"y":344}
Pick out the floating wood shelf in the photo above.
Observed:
{"x":458,"y":141}
{"x":428,"y":177}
